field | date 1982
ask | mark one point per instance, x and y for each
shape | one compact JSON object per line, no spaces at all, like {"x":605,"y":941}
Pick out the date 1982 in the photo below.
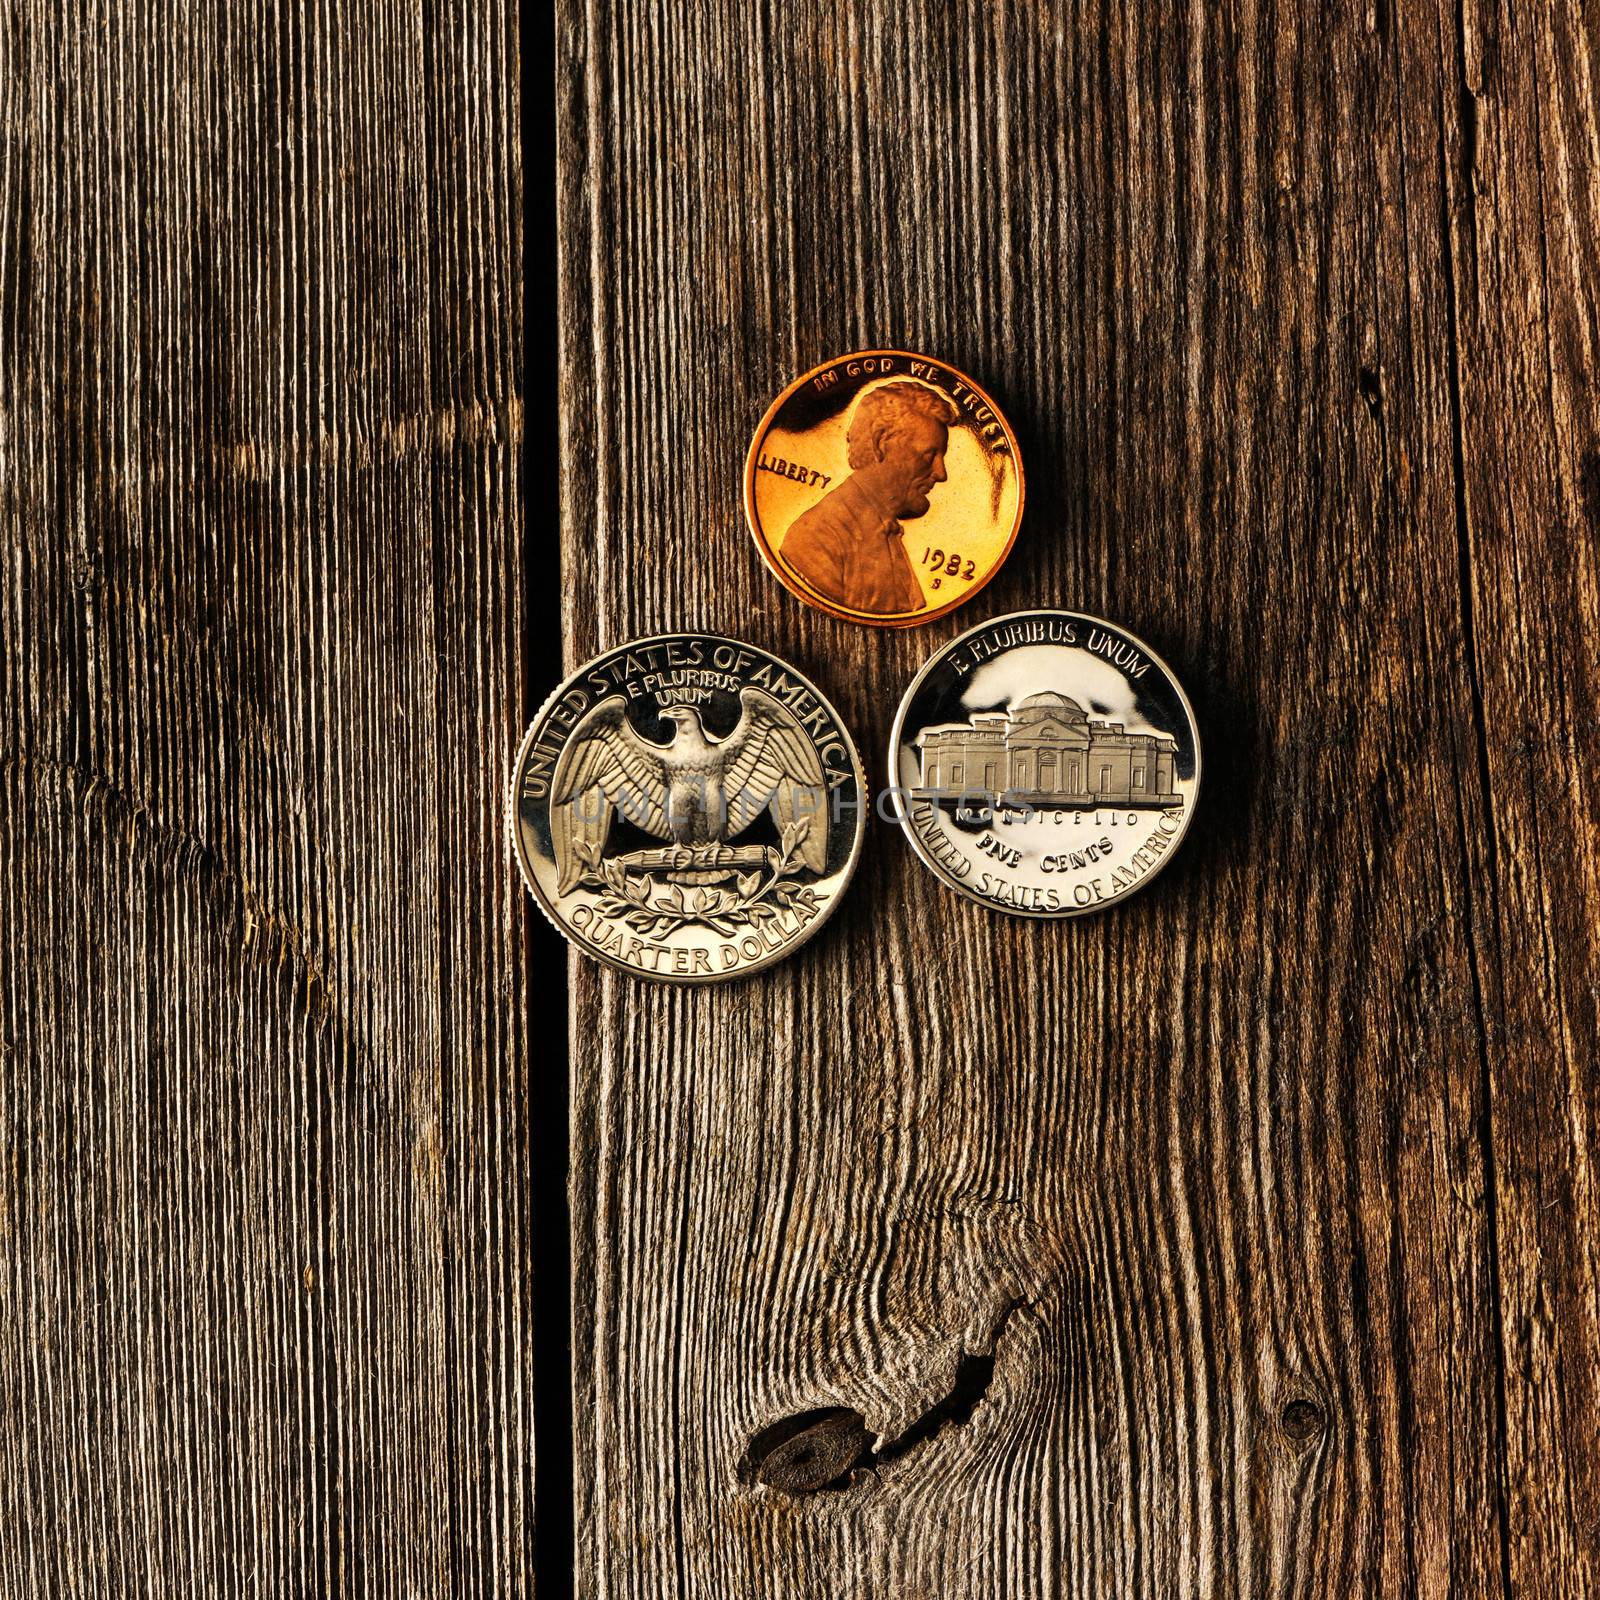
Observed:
{"x":947,"y":564}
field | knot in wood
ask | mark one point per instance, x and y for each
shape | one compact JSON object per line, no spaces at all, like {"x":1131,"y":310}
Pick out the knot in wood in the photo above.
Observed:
{"x":811,"y":1451}
{"x":1302,"y":1421}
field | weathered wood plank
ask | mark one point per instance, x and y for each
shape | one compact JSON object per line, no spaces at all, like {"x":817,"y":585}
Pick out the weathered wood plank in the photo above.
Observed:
{"x":1272,"y":1194}
{"x":1524,"y":205}
{"x":265,"y":1313}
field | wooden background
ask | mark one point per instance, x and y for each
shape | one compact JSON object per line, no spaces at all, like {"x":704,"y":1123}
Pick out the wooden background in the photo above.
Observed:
{"x":266,"y":1283}
{"x":1242,"y":1241}
{"x":1272,"y":1195}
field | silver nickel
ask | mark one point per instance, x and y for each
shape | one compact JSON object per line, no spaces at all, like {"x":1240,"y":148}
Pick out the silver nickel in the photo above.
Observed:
{"x":687,"y":808}
{"x":1046,"y":764}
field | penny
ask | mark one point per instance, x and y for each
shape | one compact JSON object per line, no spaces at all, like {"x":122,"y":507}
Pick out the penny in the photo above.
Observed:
{"x":884,"y":487}
{"x":688,"y":808}
{"x":1046,"y":764}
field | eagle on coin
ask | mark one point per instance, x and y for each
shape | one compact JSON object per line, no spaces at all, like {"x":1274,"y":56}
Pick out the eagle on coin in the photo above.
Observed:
{"x":694,"y":790}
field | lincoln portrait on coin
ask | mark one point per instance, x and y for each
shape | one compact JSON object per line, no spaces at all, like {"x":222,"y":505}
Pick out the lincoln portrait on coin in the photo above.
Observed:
{"x":850,"y":546}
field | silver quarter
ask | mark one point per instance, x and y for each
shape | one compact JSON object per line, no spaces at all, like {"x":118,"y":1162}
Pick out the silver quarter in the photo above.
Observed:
{"x":687,"y":808}
{"x":1046,"y":764}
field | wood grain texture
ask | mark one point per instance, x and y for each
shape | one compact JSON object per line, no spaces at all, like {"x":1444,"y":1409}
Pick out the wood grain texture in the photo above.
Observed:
{"x":1272,"y":1195}
{"x":265,"y":1306}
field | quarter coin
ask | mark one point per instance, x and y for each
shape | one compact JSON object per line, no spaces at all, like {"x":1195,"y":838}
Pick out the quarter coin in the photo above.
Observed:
{"x":884,"y":487}
{"x":1046,"y":763}
{"x":687,"y":808}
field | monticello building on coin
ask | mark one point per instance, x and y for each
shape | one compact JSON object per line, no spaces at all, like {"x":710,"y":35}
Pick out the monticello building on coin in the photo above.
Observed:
{"x":1047,"y":750}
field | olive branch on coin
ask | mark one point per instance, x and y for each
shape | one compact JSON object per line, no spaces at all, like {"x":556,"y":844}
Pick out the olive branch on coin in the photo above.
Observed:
{"x":630,"y":897}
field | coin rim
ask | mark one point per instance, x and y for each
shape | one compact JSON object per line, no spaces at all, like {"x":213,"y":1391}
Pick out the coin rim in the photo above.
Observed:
{"x":581,"y":948}
{"x":791,"y":581}
{"x":900,"y":811}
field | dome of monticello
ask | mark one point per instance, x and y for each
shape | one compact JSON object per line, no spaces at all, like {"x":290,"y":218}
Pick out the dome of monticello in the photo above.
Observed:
{"x":1046,"y":749}
{"x":1045,"y":704}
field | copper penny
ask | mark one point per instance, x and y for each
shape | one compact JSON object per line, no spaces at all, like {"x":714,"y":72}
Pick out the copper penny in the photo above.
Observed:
{"x":884,"y":487}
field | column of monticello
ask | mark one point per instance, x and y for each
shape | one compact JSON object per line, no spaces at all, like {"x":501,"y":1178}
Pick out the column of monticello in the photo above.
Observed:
{"x":1047,"y":748}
